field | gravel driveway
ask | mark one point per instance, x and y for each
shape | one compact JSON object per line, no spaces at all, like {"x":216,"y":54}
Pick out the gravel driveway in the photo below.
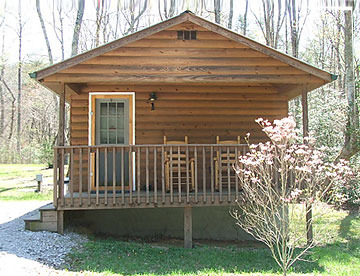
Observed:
{"x":24,"y":252}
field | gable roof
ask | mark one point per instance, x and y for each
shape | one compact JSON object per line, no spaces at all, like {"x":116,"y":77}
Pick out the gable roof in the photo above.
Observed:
{"x":187,"y":16}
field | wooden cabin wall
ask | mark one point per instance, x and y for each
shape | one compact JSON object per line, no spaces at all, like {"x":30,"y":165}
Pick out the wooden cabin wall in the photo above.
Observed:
{"x":200,"y":112}
{"x":205,"y":87}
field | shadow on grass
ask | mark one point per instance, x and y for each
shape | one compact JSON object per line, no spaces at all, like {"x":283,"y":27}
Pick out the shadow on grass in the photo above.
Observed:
{"x":345,"y":226}
{"x":128,"y":258}
{"x":2,"y":190}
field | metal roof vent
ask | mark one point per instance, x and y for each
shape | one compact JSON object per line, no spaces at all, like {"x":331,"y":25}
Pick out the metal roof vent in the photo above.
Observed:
{"x":186,"y":35}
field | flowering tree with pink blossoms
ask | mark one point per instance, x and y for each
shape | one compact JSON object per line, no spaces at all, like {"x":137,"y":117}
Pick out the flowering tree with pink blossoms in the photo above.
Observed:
{"x":276,"y":177}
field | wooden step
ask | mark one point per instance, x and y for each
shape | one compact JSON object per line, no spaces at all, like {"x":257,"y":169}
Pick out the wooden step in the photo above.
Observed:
{"x":45,"y":220}
{"x":38,"y":225}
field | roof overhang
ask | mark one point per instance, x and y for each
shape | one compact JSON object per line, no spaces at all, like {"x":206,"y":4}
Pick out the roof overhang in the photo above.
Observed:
{"x":291,"y":90}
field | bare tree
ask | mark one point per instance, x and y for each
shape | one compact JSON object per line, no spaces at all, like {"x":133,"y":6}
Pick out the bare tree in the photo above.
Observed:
{"x":231,"y":14}
{"x":2,"y":71}
{"x":99,"y":20}
{"x":167,"y":11}
{"x":19,"y":86}
{"x":13,"y":100}
{"x":132,"y":13}
{"x":57,"y":9}
{"x":43,"y":28}
{"x":273,"y":19}
{"x":295,"y":14}
{"x":351,"y":143}
{"x":217,"y":11}
{"x":77,"y":27}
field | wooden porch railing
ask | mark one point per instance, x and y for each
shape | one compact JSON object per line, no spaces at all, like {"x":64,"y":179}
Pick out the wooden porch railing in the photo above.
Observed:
{"x":145,"y":176}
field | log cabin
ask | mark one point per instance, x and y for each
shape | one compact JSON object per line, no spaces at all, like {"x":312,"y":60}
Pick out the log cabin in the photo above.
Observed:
{"x":155,"y":121}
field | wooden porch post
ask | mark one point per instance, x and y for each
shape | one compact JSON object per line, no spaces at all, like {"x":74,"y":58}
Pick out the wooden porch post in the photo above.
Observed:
{"x":309,"y":228}
{"x":188,"y":227}
{"x":61,"y":142}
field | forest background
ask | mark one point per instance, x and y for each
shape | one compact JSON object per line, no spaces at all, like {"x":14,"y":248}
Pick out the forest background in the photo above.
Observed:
{"x":38,"y":33}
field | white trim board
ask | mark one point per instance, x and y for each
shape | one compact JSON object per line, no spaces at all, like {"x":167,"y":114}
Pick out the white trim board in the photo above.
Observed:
{"x":133,"y":130}
{"x":110,"y":93}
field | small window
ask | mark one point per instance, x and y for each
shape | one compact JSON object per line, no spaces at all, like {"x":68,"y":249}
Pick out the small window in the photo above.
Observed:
{"x":186,"y":35}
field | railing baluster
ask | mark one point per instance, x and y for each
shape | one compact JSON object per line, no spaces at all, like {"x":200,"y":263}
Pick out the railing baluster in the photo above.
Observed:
{"x":71,"y":180}
{"x":89,"y":177}
{"x":97,"y":175}
{"x":55,"y":194}
{"x":62,"y":169}
{"x":187,"y":175}
{"x":130,"y":176}
{"x":162,"y":175}
{"x":138,"y":175}
{"x":212,"y":189}
{"x":122,"y":168}
{"x":228,"y":173}
{"x":220,"y":175}
{"x":147,"y":174}
{"x":114,"y":175}
{"x":236,"y":176}
{"x":155,"y":175}
{"x":80,"y":176}
{"x":179,"y":174}
{"x":106,"y":174}
{"x":171,"y":177}
{"x":204,"y":172}
{"x":196,"y":174}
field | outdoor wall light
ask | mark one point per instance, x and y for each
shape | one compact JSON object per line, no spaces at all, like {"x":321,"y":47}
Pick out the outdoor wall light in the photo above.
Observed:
{"x":152,"y":100}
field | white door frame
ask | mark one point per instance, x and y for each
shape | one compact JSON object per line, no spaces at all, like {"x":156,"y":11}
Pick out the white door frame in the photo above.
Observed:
{"x":132,"y":94}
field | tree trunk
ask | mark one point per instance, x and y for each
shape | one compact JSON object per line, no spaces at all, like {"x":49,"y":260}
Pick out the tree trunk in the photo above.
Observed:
{"x":231,"y":14}
{"x":2,"y":90}
{"x":18,"y":133}
{"x":217,"y":11}
{"x":77,"y":28}
{"x":51,"y":61}
{"x":244,"y":26}
{"x":165,"y":12}
{"x":351,"y":146}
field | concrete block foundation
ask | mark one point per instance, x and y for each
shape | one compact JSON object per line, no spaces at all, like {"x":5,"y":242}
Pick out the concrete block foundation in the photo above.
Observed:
{"x":213,"y":223}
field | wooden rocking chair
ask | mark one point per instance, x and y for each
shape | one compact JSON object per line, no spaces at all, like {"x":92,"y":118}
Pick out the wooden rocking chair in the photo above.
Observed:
{"x":177,"y":166}
{"x":223,"y":161}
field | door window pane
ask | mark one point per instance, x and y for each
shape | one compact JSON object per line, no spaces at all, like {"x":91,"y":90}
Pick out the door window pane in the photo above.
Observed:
{"x":112,"y":123}
{"x":120,"y":138}
{"x":103,"y":137}
{"x":120,"y":122}
{"x":112,"y":137}
{"x":120,"y":109}
{"x":112,"y":108}
{"x":103,"y":122}
{"x":103,"y":108}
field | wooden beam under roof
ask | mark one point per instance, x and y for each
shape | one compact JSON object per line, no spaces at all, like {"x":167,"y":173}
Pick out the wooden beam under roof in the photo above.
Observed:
{"x":187,"y":79}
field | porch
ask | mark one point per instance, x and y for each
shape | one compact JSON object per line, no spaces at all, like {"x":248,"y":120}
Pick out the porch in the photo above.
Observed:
{"x":145,"y":176}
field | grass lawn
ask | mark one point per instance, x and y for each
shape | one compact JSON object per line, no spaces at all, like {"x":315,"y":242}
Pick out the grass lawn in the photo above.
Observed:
{"x":17,"y":182}
{"x":108,"y":256}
